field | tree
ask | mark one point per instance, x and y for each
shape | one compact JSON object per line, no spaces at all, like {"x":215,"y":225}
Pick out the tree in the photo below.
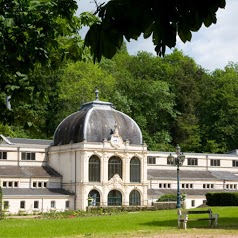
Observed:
{"x":142,"y":94}
{"x":163,"y":20}
{"x":30,"y":30}
{"x":184,"y":77}
{"x":218,"y":111}
{"x":34,"y":34}
{"x":77,"y":84}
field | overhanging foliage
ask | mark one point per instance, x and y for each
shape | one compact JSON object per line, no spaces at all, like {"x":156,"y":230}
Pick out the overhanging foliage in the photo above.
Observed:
{"x":162,"y":20}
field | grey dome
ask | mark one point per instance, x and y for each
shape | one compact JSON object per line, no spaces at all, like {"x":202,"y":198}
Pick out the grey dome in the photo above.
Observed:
{"x":94,"y":122}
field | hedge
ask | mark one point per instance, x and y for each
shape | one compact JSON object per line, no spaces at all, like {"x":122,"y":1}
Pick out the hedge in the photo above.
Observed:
{"x":222,"y":199}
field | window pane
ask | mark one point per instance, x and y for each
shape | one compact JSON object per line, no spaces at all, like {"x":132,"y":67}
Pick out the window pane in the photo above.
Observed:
{"x":134,"y":199}
{"x":135,"y":170}
{"x":66,"y":204}
{"x":94,"y":198}
{"x":114,"y":167}
{"x":3,"y":155}
{"x":28,"y":156}
{"x":114,"y":198}
{"x":52,"y":204}
{"x":22,"y":204}
{"x":94,"y":169}
{"x":36,"y":204}
{"x":6,"y":205}
{"x":151,"y":160}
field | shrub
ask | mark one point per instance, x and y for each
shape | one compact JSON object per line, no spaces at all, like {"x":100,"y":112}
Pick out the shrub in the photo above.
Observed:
{"x":222,"y":199}
{"x":167,"y":197}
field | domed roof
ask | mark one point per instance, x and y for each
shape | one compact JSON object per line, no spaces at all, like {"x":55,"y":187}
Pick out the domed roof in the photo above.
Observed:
{"x":94,"y":122}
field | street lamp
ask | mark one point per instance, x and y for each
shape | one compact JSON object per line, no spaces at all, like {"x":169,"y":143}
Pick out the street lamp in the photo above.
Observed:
{"x":177,"y":161}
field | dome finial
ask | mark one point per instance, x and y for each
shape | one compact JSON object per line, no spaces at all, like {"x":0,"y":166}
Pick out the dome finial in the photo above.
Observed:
{"x":96,"y":94}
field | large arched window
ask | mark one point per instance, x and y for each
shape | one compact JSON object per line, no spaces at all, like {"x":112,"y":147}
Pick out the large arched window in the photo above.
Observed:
{"x":114,"y":167}
{"x":94,"y":169}
{"x":134,"y":199}
{"x":94,"y":198}
{"x":114,"y":198}
{"x":135,"y":170}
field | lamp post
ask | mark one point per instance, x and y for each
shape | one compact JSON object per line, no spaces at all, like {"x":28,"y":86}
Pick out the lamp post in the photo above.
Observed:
{"x":177,"y":161}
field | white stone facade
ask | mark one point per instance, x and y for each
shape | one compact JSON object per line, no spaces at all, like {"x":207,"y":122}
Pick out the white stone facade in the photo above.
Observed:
{"x":72,"y":161}
{"x":28,"y":187}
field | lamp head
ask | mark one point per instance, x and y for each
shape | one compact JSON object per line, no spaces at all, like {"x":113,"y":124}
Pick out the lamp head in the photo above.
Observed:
{"x":178,"y":149}
{"x":181,"y":159}
{"x":170,"y":159}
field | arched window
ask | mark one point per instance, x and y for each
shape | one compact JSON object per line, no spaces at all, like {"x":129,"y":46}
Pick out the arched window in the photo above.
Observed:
{"x":114,"y":198}
{"x":114,"y":167}
{"x":94,"y":198}
{"x":135,"y":170}
{"x":134,"y":199}
{"x":94,"y":169}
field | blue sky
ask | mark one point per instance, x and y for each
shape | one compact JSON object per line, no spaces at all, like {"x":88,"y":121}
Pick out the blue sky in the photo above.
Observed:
{"x":212,"y":48}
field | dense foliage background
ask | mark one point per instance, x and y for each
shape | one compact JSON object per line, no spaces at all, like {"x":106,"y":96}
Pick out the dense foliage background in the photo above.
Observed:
{"x":49,"y":74}
{"x":172,"y":99}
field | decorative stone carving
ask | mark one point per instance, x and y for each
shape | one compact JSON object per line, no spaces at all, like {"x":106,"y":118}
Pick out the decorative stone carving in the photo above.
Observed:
{"x":116,"y":181}
{"x":116,"y":140}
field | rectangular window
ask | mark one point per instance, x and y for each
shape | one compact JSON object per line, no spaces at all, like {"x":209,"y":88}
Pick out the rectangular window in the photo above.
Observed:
{"x":151,"y":160}
{"x":4,"y":184}
{"x":169,"y":185}
{"x":192,"y":161}
{"x":28,"y":156}
{"x":3,"y":155}
{"x":36,"y":204}
{"x":204,"y":185}
{"x":52,"y":204}
{"x":235,"y":163}
{"x":39,"y":184}
{"x":215,"y":162}
{"x":193,"y":203}
{"x":66,"y":204}
{"x":10,"y":184}
{"x":182,"y":185}
{"x":22,"y":204}
{"x":45,"y":184}
{"x":160,"y":185}
{"x":15,"y":184}
{"x":34,"y":184}
{"x":6,"y":205}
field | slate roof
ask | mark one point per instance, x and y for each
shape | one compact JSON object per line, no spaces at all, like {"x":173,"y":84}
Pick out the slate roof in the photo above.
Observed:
{"x":29,"y":141}
{"x":184,"y":174}
{"x":28,"y":171}
{"x":192,"y":175}
{"x":94,"y":122}
{"x":224,"y":175}
{"x":35,"y":192}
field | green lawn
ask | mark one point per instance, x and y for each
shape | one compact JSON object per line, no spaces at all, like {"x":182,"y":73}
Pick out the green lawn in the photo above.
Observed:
{"x":119,"y":225}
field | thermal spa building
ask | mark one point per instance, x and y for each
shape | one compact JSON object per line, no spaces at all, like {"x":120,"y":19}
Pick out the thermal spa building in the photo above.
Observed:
{"x":98,"y":158}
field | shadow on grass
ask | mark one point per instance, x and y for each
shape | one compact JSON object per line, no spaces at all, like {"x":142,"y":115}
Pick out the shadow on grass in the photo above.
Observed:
{"x":223,"y":223}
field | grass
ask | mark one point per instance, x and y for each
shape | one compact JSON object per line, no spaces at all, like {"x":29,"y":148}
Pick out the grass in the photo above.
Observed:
{"x":118,"y":225}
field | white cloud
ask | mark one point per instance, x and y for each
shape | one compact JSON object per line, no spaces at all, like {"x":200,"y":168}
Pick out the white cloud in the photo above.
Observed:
{"x":216,"y":46}
{"x":212,"y":47}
